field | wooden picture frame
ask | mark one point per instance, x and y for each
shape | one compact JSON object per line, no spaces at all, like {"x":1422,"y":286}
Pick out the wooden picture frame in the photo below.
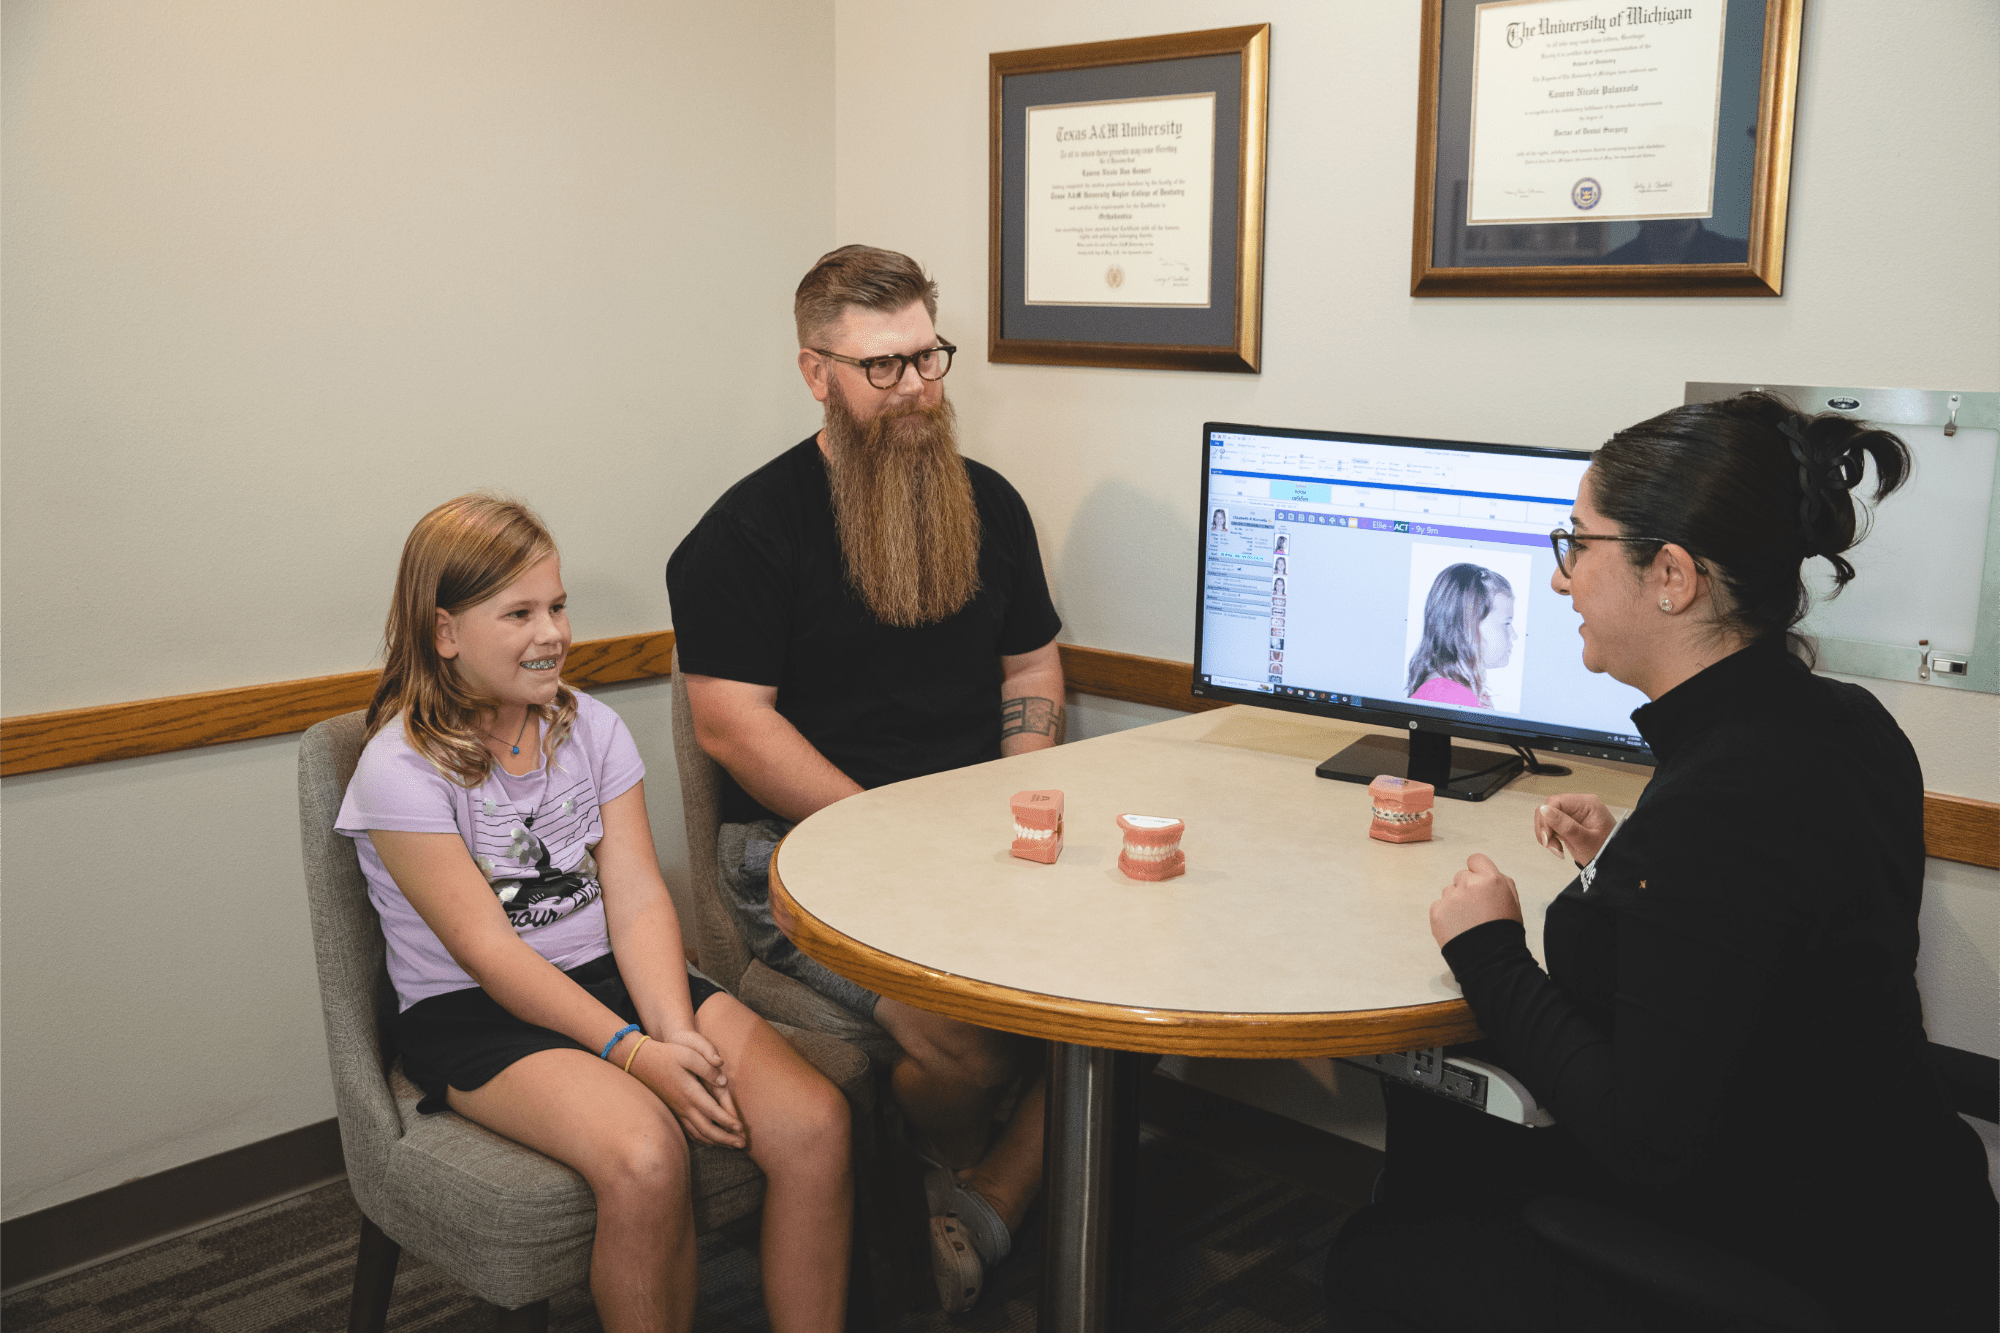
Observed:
{"x":1222,"y":335}
{"x":1450,"y":258}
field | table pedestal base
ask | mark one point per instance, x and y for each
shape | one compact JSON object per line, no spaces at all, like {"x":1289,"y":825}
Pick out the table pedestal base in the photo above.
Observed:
{"x":1089,"y":1189}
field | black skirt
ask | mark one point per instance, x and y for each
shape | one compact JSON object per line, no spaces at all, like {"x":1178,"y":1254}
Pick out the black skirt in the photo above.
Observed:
{"x":463,"y":1037}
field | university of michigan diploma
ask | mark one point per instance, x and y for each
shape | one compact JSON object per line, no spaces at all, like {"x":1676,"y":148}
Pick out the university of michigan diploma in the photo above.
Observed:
{"x":1587,"y":111}
{"x":1120,"y":198}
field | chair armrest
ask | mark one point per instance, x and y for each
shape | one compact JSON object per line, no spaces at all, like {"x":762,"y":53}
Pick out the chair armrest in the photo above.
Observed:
{"x":784,"y":1000}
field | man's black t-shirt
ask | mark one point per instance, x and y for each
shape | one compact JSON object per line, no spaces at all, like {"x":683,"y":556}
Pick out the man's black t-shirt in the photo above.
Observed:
{"x":760,"y":594}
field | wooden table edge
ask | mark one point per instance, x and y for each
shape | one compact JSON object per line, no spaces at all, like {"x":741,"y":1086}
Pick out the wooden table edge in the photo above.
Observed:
{"x":1113,"y":1026}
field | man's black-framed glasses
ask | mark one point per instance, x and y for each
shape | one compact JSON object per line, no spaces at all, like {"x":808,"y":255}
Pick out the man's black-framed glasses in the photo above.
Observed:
{"x":886,"y":372}
{"x":1566,"y":542}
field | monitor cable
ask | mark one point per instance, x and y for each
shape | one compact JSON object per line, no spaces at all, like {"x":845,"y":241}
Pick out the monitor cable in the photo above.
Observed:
{"x":1522,"y":755}
{"x":1459,"y":780}
{"x":1535,"y":765}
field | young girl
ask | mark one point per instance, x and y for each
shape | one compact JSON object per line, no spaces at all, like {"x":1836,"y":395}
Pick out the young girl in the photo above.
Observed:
{"x":501,"y":822}
{"x":1468,"y":631}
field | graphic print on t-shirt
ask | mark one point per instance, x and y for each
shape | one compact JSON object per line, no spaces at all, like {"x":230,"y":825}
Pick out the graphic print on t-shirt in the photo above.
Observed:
{"x":516,"y":861}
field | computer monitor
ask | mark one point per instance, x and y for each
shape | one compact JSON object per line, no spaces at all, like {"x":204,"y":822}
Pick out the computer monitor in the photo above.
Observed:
{"x":1402,"y":582}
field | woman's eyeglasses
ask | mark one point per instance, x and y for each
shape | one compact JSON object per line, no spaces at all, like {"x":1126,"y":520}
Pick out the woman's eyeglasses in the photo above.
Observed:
{"x":1566,"y":544}
{"x":886,"y":372}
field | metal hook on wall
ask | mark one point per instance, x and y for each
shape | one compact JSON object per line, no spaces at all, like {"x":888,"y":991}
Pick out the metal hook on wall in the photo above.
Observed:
{"x":1951,"y":423}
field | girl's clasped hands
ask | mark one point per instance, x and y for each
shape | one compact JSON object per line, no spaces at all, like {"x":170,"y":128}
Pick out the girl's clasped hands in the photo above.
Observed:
{"x":685,"y":1072}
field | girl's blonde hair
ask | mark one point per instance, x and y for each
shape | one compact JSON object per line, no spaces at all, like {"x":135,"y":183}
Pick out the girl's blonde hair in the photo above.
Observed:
{"x":459,"y":555}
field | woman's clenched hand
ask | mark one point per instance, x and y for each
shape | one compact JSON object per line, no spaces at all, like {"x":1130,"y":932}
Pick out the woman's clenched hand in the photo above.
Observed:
{"x":1477,"y":894}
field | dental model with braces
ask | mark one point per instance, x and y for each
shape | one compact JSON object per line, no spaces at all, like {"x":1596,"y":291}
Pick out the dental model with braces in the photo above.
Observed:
{"x":1402,"y":809}
{"x":1038,"y":825}
{"x":1152,"y":849}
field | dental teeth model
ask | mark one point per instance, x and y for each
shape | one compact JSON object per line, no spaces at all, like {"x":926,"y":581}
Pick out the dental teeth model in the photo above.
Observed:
{"x":1152,"y":848}
{"x":1402,"y":809}
{"x":1038,"y":825}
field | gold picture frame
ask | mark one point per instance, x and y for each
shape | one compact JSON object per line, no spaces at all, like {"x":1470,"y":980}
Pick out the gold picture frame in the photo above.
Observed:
{"x":1223,"y":335}
{"x":1450,"y":258}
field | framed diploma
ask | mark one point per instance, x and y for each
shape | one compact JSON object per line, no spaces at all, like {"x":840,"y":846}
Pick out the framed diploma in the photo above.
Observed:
{"x":1602,"y":148}
{"x":1126,"y":219}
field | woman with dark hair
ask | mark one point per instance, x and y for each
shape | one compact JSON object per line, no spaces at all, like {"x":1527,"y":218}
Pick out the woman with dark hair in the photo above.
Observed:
{"x":1728,"y":1033}
{"x":1468,"y":631}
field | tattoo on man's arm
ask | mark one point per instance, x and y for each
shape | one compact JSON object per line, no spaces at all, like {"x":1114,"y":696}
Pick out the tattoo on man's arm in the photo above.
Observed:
{"x":1032,"y":717}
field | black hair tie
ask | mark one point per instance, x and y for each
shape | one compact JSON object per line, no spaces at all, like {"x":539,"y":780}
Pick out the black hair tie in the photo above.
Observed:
{"x":1815,"y":480}
{"x":1808,"y":493}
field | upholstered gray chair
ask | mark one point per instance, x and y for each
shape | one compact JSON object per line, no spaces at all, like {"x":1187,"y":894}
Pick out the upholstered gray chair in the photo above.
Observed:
{"x":511,"y":1225}
{"x":724,"y":956}
{"x":895,"y":1216}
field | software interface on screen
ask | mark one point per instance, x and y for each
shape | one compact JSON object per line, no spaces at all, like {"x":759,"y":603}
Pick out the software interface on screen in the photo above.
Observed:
{"x":1322,"y":558}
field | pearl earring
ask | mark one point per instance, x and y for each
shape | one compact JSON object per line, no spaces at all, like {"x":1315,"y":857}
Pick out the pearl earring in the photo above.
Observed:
{"x":1667,"y":605}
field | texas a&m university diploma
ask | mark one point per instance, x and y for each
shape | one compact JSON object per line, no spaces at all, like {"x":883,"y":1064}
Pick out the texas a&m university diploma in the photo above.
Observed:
{"x":1584,"y":111}
{"x":1120,"y":199}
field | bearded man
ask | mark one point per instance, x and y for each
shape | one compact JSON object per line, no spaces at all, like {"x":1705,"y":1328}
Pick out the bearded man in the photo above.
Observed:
{"x":867,"y":607}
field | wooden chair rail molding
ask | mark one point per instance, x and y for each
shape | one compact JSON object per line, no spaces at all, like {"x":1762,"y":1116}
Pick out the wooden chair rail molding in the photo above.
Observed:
{"x":1956,"y":828}
{"x":33,"y":742}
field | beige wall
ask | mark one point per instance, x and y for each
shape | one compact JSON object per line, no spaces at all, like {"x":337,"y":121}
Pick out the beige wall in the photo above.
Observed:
{"x":278,"y":279}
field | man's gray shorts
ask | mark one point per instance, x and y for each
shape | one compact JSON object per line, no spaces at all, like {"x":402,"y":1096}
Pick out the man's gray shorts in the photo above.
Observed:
{"x":743,"y":862}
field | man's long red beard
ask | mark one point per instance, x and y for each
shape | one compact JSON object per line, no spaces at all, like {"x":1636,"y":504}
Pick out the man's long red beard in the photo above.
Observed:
{"x":909,"y":527}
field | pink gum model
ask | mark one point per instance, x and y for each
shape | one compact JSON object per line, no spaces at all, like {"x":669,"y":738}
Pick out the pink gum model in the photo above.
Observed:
{"x":1152,"y":848}
{"x":1402,"y":809}
{"x":1038,"y":825}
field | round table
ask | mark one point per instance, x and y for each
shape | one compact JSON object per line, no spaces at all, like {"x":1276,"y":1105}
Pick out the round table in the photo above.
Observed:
{"x":1292,"y":933}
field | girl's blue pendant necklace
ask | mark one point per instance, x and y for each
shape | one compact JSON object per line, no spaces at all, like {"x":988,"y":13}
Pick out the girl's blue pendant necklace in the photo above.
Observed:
{"x":525,"y":714}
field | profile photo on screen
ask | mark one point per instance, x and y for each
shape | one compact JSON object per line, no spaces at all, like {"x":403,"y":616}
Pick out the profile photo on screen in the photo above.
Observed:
{"x":1277,"y":587}
{"x":1281,"y":543}
{"x":1279,"y":567}
{"x":1467,"y":634}
{"x":1218,"y":521}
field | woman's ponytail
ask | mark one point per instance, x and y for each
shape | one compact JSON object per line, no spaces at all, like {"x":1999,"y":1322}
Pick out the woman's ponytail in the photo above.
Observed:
{"x":1832,"y":453}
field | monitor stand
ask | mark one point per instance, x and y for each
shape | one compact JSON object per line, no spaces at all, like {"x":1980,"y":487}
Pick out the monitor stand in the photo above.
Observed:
{"x":1427,"y":756}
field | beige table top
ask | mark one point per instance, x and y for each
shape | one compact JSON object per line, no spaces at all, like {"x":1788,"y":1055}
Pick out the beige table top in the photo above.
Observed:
{"x":1292,"y":932}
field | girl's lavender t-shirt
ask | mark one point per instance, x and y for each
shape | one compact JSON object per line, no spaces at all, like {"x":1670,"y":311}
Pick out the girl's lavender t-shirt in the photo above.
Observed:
{"x":530,"y":835}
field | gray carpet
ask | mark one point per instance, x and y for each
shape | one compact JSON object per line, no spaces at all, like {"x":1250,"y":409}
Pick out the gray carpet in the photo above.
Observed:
{"x":1223,"y":1249}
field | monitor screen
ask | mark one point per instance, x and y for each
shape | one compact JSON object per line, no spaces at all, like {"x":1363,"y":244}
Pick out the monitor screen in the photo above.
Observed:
{"x":1398,"y":581}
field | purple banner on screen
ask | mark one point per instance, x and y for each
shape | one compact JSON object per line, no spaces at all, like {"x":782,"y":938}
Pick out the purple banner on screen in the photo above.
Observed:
{"x":1414,"y":527}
